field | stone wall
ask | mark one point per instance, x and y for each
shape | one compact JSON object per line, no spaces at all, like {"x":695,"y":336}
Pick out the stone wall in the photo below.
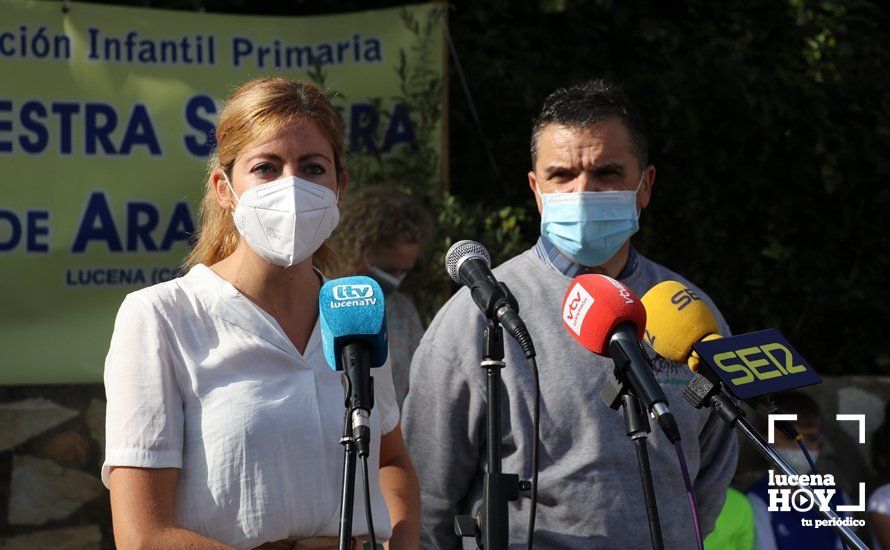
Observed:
{"x":51,"y":444}
{"x":52,"y":441}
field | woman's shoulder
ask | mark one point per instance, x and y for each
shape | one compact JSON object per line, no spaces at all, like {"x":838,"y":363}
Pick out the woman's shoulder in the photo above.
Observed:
{"x":165,"y":299}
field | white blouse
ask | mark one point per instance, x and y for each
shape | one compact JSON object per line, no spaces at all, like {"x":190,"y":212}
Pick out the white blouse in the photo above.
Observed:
{"x":200,"y":378}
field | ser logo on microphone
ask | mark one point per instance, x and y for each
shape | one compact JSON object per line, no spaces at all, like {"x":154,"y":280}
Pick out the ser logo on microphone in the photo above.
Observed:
{"x":757,"y":363}
{"x":353,"y":295}
{"x":576,"y":307}
{"x":683,"y":298}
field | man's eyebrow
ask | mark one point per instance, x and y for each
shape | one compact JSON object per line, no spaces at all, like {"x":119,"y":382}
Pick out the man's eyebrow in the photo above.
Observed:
{"x":600,"y":170}
{"x":607,"y":169}
{"x":554,"y":168}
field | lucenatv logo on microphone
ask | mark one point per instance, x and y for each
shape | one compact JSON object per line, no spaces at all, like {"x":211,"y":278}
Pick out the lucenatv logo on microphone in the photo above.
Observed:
{"x":576,"y":307}
{"x":353,"y":295}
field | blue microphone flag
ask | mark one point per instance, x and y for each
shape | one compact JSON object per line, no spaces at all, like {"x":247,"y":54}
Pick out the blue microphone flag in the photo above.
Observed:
{"x":351,"y":309}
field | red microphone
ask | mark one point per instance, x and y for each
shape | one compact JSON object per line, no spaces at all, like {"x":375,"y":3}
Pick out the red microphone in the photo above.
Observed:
{"x":608,"y":319}
{"x":594,"y":307}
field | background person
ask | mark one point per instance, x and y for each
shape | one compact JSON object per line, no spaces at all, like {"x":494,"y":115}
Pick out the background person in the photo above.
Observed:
{"x":223,"y":418}
{"x":382,"y":232}
{"x":783,"y":530}
{"x":734,"y":529}
{"x":590,"y":179}
{"x":879,"y":502}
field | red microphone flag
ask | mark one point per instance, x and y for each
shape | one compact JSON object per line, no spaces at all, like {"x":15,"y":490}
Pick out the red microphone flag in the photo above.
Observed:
{"x":595,"y":305}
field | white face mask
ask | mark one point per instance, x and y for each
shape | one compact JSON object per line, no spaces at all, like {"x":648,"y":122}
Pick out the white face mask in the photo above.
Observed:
{"x":287,"y":220}
{"x":387,"y":281}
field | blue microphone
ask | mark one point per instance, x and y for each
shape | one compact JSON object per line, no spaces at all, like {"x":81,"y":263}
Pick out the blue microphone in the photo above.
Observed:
{"x":353,"y":335}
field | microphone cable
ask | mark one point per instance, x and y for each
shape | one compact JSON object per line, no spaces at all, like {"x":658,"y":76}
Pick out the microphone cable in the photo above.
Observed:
{"x":693,"y":505}
{"x":536,"y":427}
{"x":371,"y":533}
{"x":806,"y":453}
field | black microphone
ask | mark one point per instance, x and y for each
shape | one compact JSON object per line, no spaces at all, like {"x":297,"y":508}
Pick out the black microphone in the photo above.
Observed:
{"x":469,"y":264}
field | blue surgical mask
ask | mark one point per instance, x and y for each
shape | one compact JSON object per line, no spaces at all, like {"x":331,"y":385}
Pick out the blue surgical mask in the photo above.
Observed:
{"x":589,"y":227}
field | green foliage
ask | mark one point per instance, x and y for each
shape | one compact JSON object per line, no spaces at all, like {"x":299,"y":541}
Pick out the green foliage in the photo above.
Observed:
{"x":769,"y":124}
{"x":417,"y":170}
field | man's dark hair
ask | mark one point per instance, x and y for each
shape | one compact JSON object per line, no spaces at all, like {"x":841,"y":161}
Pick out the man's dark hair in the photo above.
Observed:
{"x":586,"y":104}
{"x":799,"y":403}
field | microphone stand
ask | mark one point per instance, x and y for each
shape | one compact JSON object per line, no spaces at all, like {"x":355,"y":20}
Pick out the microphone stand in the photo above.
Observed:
{"x":616,"y":394}
{"x":358,"y":400}
{"x":490,"y":526}
{"x":702,"y":392}
{"x":347,"y":496}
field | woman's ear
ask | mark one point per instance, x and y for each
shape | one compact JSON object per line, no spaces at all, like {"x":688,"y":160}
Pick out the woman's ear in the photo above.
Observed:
{"x":221,"y":188}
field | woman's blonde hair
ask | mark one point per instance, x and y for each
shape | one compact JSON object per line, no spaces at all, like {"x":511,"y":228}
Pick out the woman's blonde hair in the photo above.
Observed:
{"x":253,"y":114}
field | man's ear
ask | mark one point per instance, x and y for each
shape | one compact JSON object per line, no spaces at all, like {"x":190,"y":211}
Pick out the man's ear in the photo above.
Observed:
{"x":646,"y":189}
{"x":221,"y":188}
{"x":533,"y":184}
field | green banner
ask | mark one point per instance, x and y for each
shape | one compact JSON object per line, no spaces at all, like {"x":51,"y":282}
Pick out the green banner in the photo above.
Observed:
{"x":106,"y":118}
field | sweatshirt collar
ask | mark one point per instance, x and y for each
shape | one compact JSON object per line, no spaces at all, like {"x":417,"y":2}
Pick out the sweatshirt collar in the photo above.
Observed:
{"x":550,"y":255}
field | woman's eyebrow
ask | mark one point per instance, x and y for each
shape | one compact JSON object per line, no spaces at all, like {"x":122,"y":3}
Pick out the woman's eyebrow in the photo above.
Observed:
{"x":308,"y":156}
{"x":261,"y":155}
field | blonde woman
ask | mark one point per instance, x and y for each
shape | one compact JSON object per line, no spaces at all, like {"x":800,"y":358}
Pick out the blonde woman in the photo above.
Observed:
{"x":223,"y":418}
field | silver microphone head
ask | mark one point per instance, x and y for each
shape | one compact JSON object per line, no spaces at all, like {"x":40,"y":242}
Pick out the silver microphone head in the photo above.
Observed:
{"x":462,"y":251}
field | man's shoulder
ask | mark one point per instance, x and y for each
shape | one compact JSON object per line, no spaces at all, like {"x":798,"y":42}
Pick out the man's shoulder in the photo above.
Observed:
{"x":649,"y":273}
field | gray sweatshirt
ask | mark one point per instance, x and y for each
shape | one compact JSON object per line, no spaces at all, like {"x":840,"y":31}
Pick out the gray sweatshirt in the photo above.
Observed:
{"x":589,"y":489}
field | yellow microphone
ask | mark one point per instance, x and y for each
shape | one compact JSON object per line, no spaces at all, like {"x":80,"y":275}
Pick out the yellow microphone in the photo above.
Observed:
{"x":677,"y":318}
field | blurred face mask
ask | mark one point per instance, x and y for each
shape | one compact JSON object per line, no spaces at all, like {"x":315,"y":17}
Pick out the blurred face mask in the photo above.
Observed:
{"x":285,"y":221}
{"x":590,"y":226}
{"x":797,"y":460}
{"x":387,"y":281}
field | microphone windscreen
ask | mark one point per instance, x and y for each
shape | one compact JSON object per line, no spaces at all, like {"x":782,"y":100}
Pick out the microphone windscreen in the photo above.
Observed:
{"x":351,"y":309}
{"x":595,"y":305}
{"x":677,"y":318}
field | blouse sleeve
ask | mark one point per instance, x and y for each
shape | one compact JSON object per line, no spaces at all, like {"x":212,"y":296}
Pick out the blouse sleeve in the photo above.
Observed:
{"x":144,"y":415}
{"x":385,"y":397}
